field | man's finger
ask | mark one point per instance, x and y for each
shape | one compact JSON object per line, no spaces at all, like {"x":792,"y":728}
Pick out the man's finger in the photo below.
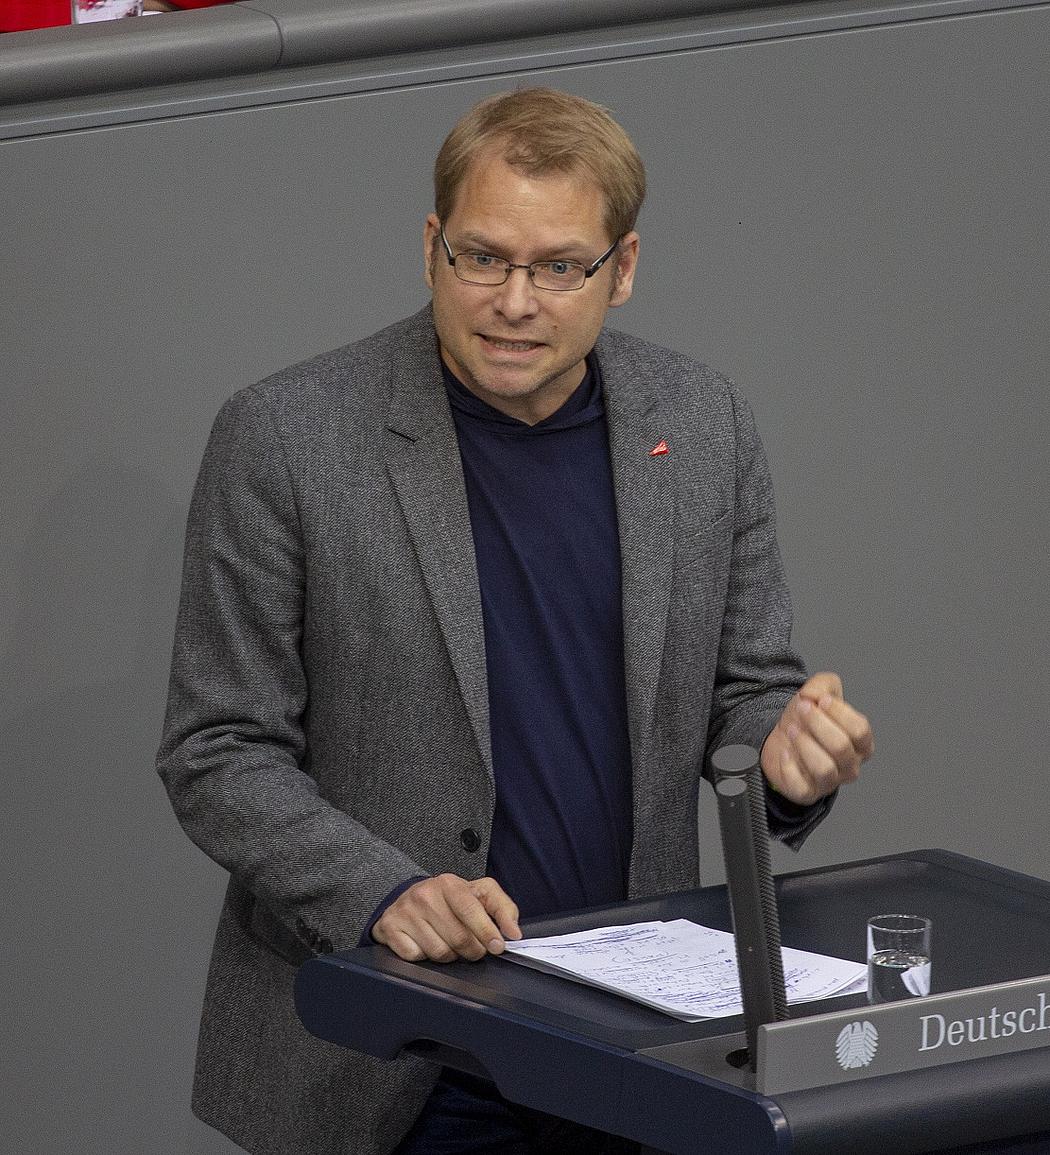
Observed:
{"x":792,"y":783}
{"x":470,"y":907}
{"x":819,"y":685}
{"x":855,"y":724}
{"x":445,"y":945}
{"x":468,"y":928}
{"x":816,"y":764}
{"x":459,"y":911}
{"x":499,"y":905}
{"x":832,"y":738}
{"x":401,"y":943}
{"x":454,"y":913}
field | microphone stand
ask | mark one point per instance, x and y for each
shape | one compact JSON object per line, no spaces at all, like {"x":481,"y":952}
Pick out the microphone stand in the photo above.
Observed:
{"x":739,"y":786}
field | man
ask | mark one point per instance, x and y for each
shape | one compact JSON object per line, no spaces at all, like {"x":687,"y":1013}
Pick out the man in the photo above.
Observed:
{"x":465,"y":608}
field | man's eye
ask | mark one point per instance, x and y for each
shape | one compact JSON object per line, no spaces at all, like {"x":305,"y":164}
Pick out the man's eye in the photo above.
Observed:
{"x":561,"y":268}
{"x":481,"y":260}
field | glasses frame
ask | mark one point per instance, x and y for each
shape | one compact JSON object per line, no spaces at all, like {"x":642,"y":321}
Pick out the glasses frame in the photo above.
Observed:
{"x":509,"y":267}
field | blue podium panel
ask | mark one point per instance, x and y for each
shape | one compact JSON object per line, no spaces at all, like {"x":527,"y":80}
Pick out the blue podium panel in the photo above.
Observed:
{"x":604,"y":1061}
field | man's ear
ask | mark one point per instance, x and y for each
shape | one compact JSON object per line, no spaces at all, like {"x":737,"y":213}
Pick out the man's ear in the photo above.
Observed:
{"x":623,"y":275}
{"x":431,"y":240}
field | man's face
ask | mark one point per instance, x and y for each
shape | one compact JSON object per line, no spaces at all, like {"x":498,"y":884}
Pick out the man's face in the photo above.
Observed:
{"x":517,"y":347}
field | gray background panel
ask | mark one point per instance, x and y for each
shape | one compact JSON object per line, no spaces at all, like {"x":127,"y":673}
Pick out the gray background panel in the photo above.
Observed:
{"x":852,"y":224}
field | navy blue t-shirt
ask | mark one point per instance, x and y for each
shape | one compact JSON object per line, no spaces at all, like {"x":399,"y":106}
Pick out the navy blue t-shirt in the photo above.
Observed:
{"x":543,"y":518}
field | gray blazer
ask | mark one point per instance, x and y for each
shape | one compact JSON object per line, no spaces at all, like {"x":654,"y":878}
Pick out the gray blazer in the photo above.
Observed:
{"x":327,"y":732}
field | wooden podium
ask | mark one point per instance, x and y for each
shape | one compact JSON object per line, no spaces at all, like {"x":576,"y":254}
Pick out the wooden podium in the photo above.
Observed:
{"x":580,"y":1053}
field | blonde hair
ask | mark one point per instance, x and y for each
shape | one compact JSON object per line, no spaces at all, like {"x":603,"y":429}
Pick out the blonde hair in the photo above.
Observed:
{"x":542,"y":131}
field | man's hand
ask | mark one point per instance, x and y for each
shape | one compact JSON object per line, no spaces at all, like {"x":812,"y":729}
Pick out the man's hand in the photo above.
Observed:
{"x":818,"y":744}
{"x":448,"y":917}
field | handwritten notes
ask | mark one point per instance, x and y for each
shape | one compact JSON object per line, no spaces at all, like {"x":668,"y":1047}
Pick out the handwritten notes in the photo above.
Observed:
{"x":678,"y":967}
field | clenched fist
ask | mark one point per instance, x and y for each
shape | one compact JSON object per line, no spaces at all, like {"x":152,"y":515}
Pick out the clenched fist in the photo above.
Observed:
{"x":819,"y":742}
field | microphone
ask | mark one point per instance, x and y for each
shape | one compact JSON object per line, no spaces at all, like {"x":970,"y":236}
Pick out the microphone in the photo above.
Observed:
{"x":738,"y":784}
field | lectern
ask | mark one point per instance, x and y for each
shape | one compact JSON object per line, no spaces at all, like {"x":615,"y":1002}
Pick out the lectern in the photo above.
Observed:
{"x":586,"y":1055}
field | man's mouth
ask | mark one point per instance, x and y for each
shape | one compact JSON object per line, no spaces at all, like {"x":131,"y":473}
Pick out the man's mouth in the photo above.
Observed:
{"x":511,"y":346}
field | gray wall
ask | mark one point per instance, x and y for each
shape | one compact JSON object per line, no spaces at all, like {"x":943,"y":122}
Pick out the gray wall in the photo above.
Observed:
{"x":848,"y":214}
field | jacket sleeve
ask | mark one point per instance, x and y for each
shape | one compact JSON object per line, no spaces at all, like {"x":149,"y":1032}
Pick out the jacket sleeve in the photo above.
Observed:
{"x":758,"y":670}
{"x":233,"y":756}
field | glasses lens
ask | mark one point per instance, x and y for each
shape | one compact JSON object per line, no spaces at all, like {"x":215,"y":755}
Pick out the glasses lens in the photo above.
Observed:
{"x":480,"y":269}
{"x":558,"y":275}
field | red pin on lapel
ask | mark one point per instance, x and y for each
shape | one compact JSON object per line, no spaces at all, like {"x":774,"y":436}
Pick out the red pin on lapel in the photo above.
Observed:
{"x":659,"y":449}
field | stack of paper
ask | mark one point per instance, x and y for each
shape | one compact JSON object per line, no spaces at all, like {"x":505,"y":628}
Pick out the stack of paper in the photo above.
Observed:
{"x":678,"y":967}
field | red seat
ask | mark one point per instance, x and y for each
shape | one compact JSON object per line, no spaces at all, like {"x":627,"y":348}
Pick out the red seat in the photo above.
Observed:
{"x":18,"y":15}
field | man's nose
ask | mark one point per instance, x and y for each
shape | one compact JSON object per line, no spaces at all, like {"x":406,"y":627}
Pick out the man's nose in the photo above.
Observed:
{"x":516,"y":297}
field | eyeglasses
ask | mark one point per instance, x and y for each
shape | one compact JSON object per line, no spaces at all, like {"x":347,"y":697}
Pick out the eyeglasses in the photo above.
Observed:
{"x":554,"y":276}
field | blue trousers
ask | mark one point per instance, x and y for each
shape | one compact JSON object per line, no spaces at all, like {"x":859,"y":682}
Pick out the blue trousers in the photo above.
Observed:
{"x":468,"y":1116}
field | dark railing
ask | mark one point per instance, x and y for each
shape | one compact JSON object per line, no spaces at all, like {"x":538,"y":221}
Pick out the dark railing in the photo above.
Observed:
{"x":55,"y":63}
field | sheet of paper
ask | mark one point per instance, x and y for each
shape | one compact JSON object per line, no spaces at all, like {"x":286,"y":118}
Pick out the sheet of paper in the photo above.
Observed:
{"x":678,"y":967}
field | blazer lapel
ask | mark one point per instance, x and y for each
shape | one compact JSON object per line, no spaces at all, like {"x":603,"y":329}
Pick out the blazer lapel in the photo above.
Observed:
{"x":645,"y":509}
{"x":423,"y":462}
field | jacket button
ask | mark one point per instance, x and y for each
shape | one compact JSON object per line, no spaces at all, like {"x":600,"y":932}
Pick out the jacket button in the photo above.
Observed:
{"x":469,"y":839}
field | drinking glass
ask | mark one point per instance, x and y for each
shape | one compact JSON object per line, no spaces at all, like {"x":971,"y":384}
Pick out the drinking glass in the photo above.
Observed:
{"x":898,"y":957}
